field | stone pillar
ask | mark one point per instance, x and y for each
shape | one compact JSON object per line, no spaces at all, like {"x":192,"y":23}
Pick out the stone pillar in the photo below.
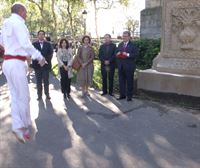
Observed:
{"x":152,"y":3}
{"x":177,"y":68}
{"x":150,"y":25}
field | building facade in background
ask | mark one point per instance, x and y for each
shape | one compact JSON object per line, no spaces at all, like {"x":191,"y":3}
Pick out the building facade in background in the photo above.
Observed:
{"x":151,"y":16}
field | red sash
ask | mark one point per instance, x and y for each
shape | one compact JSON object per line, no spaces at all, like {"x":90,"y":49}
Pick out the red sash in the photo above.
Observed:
{"x":18,"y":57}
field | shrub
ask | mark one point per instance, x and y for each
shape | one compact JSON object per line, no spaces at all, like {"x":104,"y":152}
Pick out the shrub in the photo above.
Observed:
{"x":148,"y":50}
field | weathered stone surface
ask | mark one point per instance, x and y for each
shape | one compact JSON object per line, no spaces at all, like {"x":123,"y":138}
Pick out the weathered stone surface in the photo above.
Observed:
{"x":152,"y":3}
{"x":150,"y":26}
{"x":153,"y":80}
{"x":180,"y":51}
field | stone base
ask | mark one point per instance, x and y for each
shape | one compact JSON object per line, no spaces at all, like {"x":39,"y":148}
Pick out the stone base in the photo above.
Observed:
{"x":152,"y":80}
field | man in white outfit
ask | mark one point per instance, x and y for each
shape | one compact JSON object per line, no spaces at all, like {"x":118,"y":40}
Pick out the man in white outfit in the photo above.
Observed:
{"x":17,"y":45}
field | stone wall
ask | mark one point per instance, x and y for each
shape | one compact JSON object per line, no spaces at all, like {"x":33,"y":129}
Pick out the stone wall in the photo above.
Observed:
{"x":150,"y":25}
{"x":152,"y":3}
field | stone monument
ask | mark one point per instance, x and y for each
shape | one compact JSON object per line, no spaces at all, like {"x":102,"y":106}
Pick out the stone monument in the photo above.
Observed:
{"x":177,"y":68}
{"x":152,"y":3}
{"x":150,"y":22}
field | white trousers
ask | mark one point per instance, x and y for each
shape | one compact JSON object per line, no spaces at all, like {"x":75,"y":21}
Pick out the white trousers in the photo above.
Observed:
{"x":15,"y":72}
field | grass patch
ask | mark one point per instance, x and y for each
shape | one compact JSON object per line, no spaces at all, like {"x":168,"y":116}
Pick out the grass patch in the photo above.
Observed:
{"x":55,"y":69}
{"x":97,"y":80}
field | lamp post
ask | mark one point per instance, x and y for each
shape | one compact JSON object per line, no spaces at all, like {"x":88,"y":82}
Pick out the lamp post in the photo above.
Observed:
{"x":84,"y":13}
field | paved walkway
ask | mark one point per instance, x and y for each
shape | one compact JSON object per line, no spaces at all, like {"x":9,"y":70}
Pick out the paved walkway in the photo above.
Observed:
{"x":101,"y":132}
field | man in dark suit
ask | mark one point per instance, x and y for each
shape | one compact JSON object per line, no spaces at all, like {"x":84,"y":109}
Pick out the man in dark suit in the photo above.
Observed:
{"x":42,"y":73}
{"x":107,"y":57}
{"x":126,"y":55}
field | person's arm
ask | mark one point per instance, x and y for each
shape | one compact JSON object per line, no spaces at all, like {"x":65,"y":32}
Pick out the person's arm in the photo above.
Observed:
{"x":1,"y":40}
{"x":112,"y":58}
{"x":50,"y":50}
{"x":101,"y":54}
{"x":118,"y":51}
{"x":70,"y":62}
{"x":22,"y":35}
{"x":79,"y":55}
{"x":58,"y":55}
{"x":1,"y":51}
{"x":1,"y":46}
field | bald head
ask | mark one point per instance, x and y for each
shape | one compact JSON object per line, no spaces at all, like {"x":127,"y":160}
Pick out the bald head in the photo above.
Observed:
{"x":16,"y":7}
{"x":20,"y":9}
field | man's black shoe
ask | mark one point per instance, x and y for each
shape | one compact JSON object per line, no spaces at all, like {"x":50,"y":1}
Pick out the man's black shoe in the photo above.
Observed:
{"x":121,"y":97}
{"x":111,"y":94}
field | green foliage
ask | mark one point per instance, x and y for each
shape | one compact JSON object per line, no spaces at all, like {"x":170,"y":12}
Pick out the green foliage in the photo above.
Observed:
{"x":97,"y":78}
{"x":95,"y":46}
{"x":124,"y":2}
{"x":97,"y":81}
{"x":60,"y":18}
{"x":148,"y":50}
{"x":55,"y":69}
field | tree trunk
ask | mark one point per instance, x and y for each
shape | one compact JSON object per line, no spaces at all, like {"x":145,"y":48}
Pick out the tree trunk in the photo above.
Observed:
{"x":41,"y":9}
{"x":54,"y":19}
{"x":70,"y":18}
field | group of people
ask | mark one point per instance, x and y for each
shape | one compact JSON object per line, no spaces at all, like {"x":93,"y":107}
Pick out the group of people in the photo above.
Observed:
{"x":18,"y":47}
{"x":123,"y":56}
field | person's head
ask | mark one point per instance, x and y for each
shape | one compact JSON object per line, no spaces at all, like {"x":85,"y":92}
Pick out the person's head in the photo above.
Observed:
{"x":86,"y":40}
{"x":64,"y":43}
{"x":41,"y":35}
{"x":20,"y":9}
{"x":107,"y":38}
{"x":126,"y":36}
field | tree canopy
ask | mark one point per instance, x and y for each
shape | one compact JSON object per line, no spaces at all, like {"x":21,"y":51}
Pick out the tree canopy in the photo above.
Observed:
{"x":58,"y":17}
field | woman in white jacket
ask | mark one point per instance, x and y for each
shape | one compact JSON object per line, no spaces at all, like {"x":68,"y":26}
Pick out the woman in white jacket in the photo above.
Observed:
{"x":65,"y":59}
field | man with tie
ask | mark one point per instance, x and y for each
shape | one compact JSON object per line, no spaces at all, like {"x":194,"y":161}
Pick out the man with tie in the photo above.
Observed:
{"x":42,"y":73}
{"x":126,"y":55}
{"x":18,"y":47}
{"x":107,"y":58}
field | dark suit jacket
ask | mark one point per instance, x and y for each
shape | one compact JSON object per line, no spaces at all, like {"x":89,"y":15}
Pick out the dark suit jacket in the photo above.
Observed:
{"x":47,"y":53}
{"x":107,"y":54}
{"x":132,"y":50}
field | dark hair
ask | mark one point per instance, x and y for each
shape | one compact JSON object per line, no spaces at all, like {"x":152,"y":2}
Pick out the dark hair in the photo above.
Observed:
{"x":16,"y":7}
{"x":48,"y":38}
{"x":84,"y":37}
{"x":127,"y":32}
{"x":41,"y":31}
{"x":107,"y":35}
{"x":61,"y":41}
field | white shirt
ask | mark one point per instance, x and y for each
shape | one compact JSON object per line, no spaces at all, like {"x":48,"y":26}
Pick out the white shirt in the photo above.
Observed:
{"x":125,"y":44}
{"x":64,"y":55}
{"x":41,"y":44}
{"x":15,"y":38}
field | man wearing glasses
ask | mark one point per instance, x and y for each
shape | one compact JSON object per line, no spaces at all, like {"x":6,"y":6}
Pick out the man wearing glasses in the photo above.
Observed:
{"x":126,"y":55}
